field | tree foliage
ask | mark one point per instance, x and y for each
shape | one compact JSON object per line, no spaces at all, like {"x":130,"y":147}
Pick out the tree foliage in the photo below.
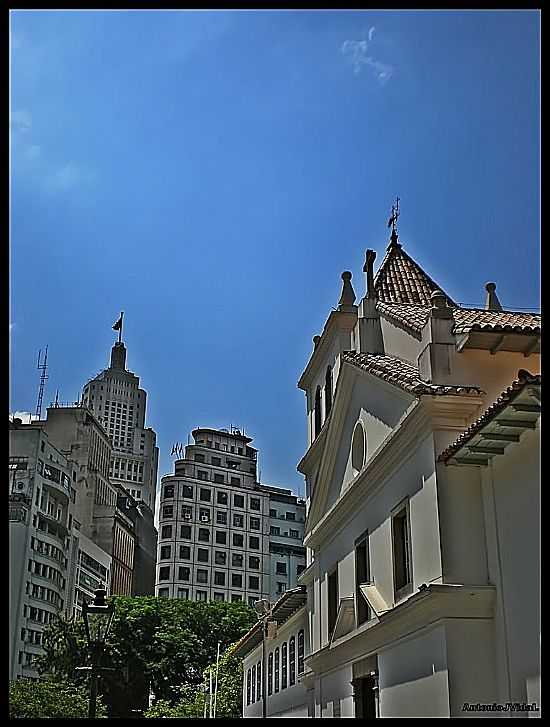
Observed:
{"x":167,"y":643}
{"x":49,"y":698}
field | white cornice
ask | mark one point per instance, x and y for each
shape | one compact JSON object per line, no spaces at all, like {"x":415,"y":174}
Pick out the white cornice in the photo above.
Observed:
{"x":428,"y":606}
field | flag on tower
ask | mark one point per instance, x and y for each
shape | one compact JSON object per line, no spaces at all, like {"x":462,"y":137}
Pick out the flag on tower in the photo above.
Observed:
{"x":118,"y":324}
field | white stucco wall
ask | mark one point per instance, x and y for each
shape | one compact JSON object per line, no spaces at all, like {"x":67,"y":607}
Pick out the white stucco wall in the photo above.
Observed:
{"x":399,"y":342}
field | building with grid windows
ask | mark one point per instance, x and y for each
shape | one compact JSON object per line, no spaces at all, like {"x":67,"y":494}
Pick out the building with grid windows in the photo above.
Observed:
{"x":215,"y":523}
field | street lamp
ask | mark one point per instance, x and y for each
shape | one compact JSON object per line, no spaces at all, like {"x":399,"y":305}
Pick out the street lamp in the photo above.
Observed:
{"x":98,"y":616}
{"x":263,"y":608}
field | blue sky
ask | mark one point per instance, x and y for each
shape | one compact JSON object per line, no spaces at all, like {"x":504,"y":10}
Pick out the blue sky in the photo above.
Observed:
{"x":213,"y":173}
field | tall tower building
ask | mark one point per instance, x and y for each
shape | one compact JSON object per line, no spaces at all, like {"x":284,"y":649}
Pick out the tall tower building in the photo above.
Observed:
{"x":119,"y":404}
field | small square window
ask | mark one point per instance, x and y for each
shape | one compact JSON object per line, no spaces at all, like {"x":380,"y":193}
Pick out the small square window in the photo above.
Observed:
{"x":222,"y":498}
{"x":201,"y":596}
{"x":221,"y":537}
{"x":219,"y":578}
{"x":220,"y":557}
{"x":219,"y":597}
{"x":238,"y":540}
{"x":216,"y":461}
{"x":166,"y":531}
{"x":188,"y":492}
{"x":254,"y":542}
{"x":203,"y":475}
{"x":253,"y":583}
{"x":235,"y":597}
{"x":163,"y":592}
{"x":183,"y":573}
{"x":274,"y":530}
{"x":183,"y":593}
{"x":202,"y":576}
{"x":202,"y":555}
{"x":280,"y":568}
{"x":199,"y":457}
{"x":254,"y":523}
{"x":204,"y":535}
{"x":236,"y":481}
{"x":164,"y":573}
{"x":254,"y":562}
{"x":205,"y":494}
{"x":185,"y":552}
{"x":185,"y":532}
{"x":237,"y":560}
{"x":168,"y":511}
{"x":273,"y":513}
{"x":165,"y":552}
{"x":221,"y":517}
{"x":236,"y":580}
{"x":169,"y":491}
{"x":238,"y":521}
{"x":238,"y":500}
{"x":254,"y":503}
{"x":218,"y":479}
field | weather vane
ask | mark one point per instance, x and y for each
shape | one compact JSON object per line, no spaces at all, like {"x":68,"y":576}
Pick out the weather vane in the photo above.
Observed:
{"x":392,"y":222}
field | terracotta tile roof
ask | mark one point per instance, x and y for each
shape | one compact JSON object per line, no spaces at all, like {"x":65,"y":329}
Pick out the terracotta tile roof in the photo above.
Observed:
{"x":495,"y":321}
{"x":401,"y":280}
{"x":504,"y":400}
{"x":401,"y":373}
{"x":415,"y":317}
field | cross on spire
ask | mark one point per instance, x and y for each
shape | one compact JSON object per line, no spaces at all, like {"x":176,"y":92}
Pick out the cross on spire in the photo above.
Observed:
{"x":392,"y":222}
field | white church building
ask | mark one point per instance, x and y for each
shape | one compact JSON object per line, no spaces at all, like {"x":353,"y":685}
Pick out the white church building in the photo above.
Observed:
{"x":421,"y":596}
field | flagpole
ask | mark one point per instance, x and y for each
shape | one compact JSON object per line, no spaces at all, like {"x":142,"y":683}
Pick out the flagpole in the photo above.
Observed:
{"x":120,"y":331}
{"x":216,"y":687}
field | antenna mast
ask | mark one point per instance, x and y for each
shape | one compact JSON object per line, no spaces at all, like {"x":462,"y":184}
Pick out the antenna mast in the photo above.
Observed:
{"x":43,"y":378}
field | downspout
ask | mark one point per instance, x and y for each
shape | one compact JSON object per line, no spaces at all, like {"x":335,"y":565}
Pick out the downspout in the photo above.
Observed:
{"x":501,"y":584}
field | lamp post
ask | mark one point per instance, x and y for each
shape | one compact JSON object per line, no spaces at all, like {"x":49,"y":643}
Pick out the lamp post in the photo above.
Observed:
{"x":98,"y":616}
{"x":263,"y":608}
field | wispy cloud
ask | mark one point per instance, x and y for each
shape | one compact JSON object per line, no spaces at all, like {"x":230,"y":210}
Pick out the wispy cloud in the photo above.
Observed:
{"x":25,"y":416}
{"x":357,"y":54}
{"x":53,"y":175}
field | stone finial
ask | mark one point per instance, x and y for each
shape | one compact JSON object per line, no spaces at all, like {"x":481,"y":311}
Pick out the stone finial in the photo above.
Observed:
{"x":439,"y":308}
{"x":316,"y":340}
{"x":492,"y":302}
{"x":347,"y":299}
{"x":368,"y":268}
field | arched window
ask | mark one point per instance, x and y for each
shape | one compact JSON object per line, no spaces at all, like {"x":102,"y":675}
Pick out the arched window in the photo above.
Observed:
{"x":277,"y":669}
{"x":283,"y":665}
{"x":248,"y":687}
{"x":259,"y":680}
{"x":270,"y":674}
{"x":292,"y":661}
{"x":253,"y":697}
{"x":318,"y":411}
{"x":300,"y":651}
{"x":328,"y":391}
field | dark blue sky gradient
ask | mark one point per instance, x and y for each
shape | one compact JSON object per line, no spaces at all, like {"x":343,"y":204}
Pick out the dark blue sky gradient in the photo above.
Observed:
{"x":213,"y":173}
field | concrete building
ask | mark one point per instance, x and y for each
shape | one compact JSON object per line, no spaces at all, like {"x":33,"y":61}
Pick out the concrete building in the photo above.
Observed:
{"x":286,"y":534}
{"x":119,"y":404}
{"x":91,"y":570}
{"x":215,"y":523}
{"x":115,"y":398}
{"x":423,"y":494}
{"x":42,"y":493}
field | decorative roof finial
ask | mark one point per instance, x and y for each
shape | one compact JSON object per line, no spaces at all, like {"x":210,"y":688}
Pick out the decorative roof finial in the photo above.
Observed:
{"x":492,"y":302}
{"x":392,"y":222}
{"x":347,"y":299}
{"x":368,"y":268}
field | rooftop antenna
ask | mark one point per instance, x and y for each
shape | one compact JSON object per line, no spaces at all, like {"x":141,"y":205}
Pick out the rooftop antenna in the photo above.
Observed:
{"x":392,"y":222}
{"x":43,"y":378}
{"x":56,"y":402}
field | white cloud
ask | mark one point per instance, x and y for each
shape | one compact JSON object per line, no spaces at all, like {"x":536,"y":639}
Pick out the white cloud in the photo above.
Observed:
{"x":20,"y":121}
{"x":356,"y":53}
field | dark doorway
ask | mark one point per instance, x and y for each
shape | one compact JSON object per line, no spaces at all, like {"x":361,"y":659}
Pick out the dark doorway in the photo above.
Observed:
{"x":366,"y":696}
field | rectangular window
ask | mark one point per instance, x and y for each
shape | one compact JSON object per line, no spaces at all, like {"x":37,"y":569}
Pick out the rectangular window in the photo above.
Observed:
{"x":164,"y":573}
{"x":235,"y":597}
{"x":185,"y":552}
{"x":203,"y":475}
{"x":292,"y":661}
{"x":220,"y":557}
{"x":273,"y":513}
{"x":254,"y":503}
{"x":280,"y":568}
{"x":221,"y":517}
{"x":183,"y":573}
{"x":199,"y":457}
{"x":185,"y":532}
{"x":216,"y":461}
{"x":270,"y":674}
{"x":202,"y":555}
{"x":283,"y":666}
{"x":204,"y":535}
{"x":238,"y":521}
{"x":202,"y":576}
{"x":166,"y":531}
{"x":205,"y":494}
{"x":168,"y":511}
{"x":237,"y":560}
{"x":276,"y":669}
{"x":294,"y":534}
{"x":401,"y":553}
{"x":254,"y":562}
{"x":301,"y":651}
{"x":236,"y":481}
{"x":169,"y":491}
{"x":163,"y":592}
{"x":238,"y":500}
{"x":187,"y":512}
{"x":219,"y":597}
{"x":165,"y":552}
{"x":218,"y":479}
{"x":219,"y":578}
{"x":332,"y":600}
{"x":221,"y":537}
{"x":236,"y":580}
{"x":238,"y":540}
{"x":254,"y":523}
{"x":291,"y":516}
{"x":188,"y":492}
{"x":254,"y":542}
{"x":201,"y":596}
{"x":222,"y":498}
{"x":362,"y":576}
{"x":183,"y":593}
{"x":274,"y":530}
{"x":204,"y":515}
{"x":253,"y":583}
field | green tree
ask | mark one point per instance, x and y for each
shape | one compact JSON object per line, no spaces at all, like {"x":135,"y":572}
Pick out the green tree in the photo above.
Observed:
{"x":164,"y":643}
{"x":49,"y":698}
